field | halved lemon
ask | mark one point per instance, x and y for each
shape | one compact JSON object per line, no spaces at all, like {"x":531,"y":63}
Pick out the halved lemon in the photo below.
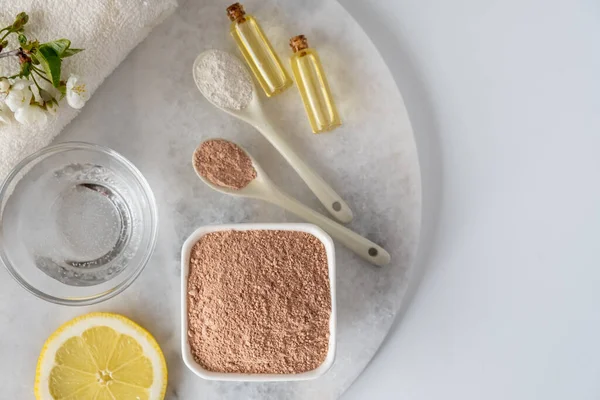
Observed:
{"x":101,"y":356}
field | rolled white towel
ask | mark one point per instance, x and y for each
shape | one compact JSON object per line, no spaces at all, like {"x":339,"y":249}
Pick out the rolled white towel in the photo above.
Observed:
{"x":107,"y":29}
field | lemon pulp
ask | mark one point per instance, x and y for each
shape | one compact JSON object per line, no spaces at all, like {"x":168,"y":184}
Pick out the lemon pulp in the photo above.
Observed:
{"x":100,"y":362}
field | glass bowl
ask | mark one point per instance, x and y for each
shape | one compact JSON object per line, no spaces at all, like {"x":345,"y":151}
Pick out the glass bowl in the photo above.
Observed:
{"x":78,"y":223}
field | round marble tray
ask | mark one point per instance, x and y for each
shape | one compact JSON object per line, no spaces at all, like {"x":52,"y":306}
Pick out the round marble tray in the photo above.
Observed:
{"x":150,"y":111}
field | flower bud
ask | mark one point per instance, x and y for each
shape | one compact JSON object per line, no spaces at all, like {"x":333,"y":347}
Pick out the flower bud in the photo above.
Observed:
{"x":20,"y":21}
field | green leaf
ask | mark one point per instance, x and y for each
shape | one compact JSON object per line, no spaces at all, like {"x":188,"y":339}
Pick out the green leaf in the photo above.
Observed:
{"x":70,"y":52}
{"x":59,"y":45}
{"x":51,"y":62}
{"x":22,"y":39}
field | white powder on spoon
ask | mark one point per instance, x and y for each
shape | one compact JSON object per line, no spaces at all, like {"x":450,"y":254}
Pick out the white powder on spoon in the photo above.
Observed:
{"x":223,"y":79}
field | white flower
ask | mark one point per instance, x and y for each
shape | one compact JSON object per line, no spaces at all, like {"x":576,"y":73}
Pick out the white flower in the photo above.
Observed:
{"x":4,"y":85}
{"x":77,"y":93}
{"x":5,"y":114}
{"x":31,"y":114}
{"x":19,"y":96}
{"x":21,"y":83}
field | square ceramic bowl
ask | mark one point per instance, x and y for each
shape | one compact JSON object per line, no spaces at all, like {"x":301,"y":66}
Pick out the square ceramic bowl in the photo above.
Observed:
{"x":185,"y":262}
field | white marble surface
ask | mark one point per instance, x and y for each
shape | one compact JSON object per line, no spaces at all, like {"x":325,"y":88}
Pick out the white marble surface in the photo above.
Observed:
{"x":150,"y":111}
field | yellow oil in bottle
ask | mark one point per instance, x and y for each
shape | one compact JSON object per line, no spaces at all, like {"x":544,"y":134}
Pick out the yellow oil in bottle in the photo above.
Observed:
{"x":313,"y":86}
{"x":257,"y":51}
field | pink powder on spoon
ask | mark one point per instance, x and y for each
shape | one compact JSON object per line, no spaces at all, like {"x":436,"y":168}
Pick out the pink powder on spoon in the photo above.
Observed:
{"x":224,"y":164}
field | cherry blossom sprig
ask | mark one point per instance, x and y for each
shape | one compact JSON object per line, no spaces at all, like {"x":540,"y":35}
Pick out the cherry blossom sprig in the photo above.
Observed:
{"x":37,"y":89}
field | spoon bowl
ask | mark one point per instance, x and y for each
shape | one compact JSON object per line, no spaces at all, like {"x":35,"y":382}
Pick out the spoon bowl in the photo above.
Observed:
{"x":247,"y":114}
{"x":256,"y":189}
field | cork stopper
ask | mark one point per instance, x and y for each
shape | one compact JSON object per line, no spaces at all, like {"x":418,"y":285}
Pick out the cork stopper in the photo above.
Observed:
{"x":298,"y":43}
{"x":235,"y":12}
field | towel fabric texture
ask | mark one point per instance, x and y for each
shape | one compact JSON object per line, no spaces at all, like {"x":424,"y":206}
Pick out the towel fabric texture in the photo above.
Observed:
{"x":107,"y":29}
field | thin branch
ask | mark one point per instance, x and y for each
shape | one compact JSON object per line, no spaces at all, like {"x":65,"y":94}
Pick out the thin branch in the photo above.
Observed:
{"x":10,"y":53}
{"x":5,"y":35}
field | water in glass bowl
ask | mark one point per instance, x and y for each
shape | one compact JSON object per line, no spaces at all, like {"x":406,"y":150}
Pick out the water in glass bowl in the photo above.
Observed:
{"x":85,"y":232}
{"x":78,"y":217}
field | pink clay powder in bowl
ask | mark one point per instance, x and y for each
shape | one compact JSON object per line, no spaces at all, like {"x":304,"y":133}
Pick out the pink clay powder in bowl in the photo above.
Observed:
{"x":258,"y":302}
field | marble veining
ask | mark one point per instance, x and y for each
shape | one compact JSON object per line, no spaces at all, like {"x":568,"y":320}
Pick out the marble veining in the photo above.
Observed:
{"x":150,"y":111}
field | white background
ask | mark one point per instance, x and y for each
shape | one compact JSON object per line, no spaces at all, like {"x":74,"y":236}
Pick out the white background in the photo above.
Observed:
{"x":504,"y":97}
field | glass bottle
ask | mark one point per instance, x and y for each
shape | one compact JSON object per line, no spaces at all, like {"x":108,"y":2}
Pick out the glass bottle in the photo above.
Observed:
{"x":313,"y":86}
{"x":257,"y":51}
